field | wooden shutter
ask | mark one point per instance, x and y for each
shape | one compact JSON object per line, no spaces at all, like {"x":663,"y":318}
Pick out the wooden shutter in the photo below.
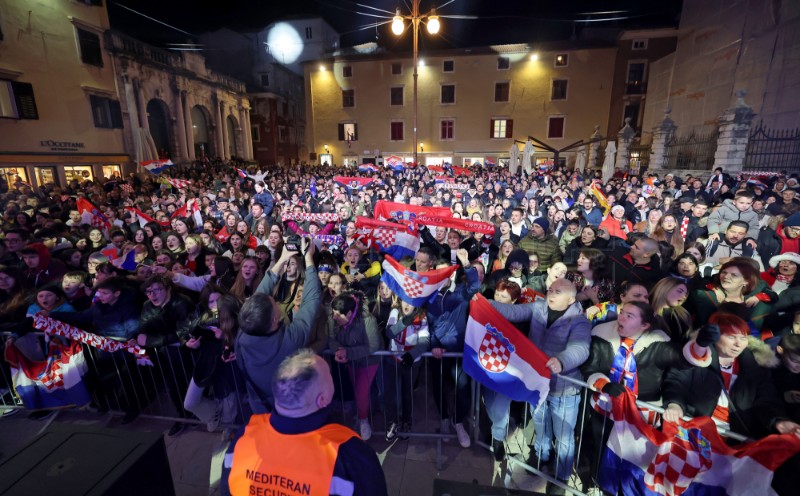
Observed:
{"x":355,"y":132}
{"x":116,"y":114}
{"x":97,"y":110}
{"x":26,"y":103}
{"x":509,"y":128}
{"x":341,"y":132}
{"x":491,"y":128}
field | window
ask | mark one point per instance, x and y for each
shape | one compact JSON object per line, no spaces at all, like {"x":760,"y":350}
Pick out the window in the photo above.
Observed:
{"x":448,"y":65}
{"x":639,"y":45}
{"x":555,"y":127}
{"x":631,"y":110}
{"x":282,"y":134}
{"x":503,"y":63}
{"x":559,"y":91}
{"x":562,"y":60}
{"x":265,"y":80}
{"x":309,"y":33}
{"x":347,"y":71}
{"x":106,"y":112}
{"x":397,"y":68}
{"x":448,"y":93}
{"x":348,"y":131}
{"x":348,"y":98}
{"x":397,"y":131}
{"x":17,"y":101}
{"x":396,"y":95}
{"x":501,"y":128}
{"x":446,"y":129}
{"x":255,"y":133}
{"x":636,"y":72}
{"x":501,"y":91}
{"x":91,"y":52}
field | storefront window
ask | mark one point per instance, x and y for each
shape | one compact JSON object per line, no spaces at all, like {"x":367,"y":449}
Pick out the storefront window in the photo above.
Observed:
{"x":438,"y":160}
{"x":472,"y":161}
{"x":45,"y":175}
{"x":80,"y":173}
{"x":110,"y":171}
{"x":326,"y":159}
{"x":10,"y":175}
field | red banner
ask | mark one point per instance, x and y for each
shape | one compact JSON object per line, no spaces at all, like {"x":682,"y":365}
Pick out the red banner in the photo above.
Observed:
{"x":385,"y":210}
{"x":459,"y":224}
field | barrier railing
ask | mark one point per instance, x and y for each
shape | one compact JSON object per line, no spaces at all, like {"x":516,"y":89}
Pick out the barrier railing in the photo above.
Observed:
{"x":422,"y":399}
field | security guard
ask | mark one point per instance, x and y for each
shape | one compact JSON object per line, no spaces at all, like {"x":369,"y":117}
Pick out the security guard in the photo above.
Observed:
{"x":295,"y":450}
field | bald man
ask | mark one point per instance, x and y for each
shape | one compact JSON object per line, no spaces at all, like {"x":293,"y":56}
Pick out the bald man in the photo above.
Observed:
{"x":640,"y":263}
{"x":558,"y":327}
{"x":296,"y":450}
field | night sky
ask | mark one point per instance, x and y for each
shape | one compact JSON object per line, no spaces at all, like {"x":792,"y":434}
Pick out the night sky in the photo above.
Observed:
{"x":499,"y":21}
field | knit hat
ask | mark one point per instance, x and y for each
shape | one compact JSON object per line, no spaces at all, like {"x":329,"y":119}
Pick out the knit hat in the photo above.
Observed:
{"x":793,"y":220}
{"x":542,"y":222}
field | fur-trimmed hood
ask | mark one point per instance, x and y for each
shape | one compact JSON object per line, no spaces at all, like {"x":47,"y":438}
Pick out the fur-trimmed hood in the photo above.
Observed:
{"x":607,"y":331}
{"x":764,"y":355}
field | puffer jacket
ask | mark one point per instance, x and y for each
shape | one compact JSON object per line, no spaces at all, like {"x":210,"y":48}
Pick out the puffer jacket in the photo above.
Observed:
{"x":567,"y":339}
{"x":447,"y":315}
{"x":720,"y":218}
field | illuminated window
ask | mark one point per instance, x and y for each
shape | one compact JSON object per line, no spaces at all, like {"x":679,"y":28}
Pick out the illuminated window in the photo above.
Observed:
{"x":17,"y":101}
{"x":447,"y":129}
{"x":348,"y":131}
{"x":501,"y":128}
{"x":562,"y":60}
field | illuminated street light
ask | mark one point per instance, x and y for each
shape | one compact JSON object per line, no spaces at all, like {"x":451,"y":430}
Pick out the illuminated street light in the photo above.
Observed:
{"x":398,"y":28}
{"x":534,"y":57}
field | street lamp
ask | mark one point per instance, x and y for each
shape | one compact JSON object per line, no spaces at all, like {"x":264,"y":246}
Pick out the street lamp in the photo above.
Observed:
{"x":326,"y":149}
{"x":398,"y":28}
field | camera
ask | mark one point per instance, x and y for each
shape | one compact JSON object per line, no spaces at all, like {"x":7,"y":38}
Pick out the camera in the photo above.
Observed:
{"x":293,"y":243}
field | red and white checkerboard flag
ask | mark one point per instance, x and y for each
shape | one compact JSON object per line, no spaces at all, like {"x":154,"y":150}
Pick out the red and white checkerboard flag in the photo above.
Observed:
{"x":686,"y":457}
{"x":395,"y":239}
{"x":414,"y":288}
{"x":178,"y":183}
{"x":502,"y":358}
{"x":92,"y":215}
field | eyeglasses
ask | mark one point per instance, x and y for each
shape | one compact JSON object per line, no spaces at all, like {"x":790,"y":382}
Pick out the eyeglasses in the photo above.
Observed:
{"x":153,"y":291}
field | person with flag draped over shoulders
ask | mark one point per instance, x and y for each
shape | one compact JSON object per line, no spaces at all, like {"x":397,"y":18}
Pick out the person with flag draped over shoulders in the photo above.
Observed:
{"x":558,"y":327}
{"x":736,"y":390}
{"x":633,"y":353}
{"x":447,"y":316}
{"x":296,"y":449}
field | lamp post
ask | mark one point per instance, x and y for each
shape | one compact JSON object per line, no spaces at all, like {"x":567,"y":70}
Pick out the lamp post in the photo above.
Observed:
{"x":398,"y":28}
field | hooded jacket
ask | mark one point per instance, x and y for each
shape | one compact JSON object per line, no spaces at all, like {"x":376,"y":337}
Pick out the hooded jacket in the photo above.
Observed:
{"x":48,"y":270}
{"x":258,"y":356}
{"x":720,"y":218}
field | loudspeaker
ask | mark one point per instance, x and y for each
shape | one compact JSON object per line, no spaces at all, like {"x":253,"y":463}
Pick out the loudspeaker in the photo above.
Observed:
{"x":68,"y":459}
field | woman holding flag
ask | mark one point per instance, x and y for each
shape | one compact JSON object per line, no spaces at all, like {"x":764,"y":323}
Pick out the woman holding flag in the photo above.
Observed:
{"x":633,"y":353}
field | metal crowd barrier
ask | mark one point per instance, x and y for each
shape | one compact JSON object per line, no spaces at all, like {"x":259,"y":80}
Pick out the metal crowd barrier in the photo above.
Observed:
{"x":432,"y":388}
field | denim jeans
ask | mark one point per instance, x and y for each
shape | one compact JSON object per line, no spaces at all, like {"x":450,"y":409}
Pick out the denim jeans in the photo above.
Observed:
{"x":497,"y":409}
{"x":557,"y":418}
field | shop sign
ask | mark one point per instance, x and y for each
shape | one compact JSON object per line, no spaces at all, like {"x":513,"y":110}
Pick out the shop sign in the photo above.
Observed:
{"x":62,"y":146}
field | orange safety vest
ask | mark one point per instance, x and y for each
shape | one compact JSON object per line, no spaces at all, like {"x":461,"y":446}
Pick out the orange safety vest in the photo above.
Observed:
{"x":268,"y":463}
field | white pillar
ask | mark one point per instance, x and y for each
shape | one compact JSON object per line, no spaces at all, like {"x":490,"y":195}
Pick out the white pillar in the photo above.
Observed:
{"x":189,"y":131}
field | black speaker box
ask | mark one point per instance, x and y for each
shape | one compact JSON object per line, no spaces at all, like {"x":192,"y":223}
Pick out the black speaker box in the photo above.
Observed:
{"x":68,"y":459}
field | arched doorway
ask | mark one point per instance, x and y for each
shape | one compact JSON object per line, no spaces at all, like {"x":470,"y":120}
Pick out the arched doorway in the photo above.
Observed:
{"x":158,"y":123}
{"x":233,"y":144}
{"x":202,"y":140}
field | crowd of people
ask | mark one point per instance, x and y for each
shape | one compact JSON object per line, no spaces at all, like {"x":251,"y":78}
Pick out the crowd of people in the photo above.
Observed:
{"x":683,"y":290}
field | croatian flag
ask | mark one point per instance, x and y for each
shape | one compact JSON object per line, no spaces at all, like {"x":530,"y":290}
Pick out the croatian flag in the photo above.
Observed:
{"x":757,"y":184}
{"x":397,"y":240}
{"x":157,"y":166}
{"x":397,"y":167}
{"x":178,"y":183}
{"x":143,"y":218}
{"x":367,"y":168}
{"x":689,"y":457}
{"x":461,"y":171}
{"x":54,"y":383}
{"x":386,"y":210}
{"x":392,"y":160}
{"x":500,"y":357}
{"x":414,"y":288}
{"x":91,"y":215}
{"x":436,"y":168}
{"x":353,"y":183}
{"x":490,"y":162}
{"x":242,"y":174}
{"x":189,"y":206}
